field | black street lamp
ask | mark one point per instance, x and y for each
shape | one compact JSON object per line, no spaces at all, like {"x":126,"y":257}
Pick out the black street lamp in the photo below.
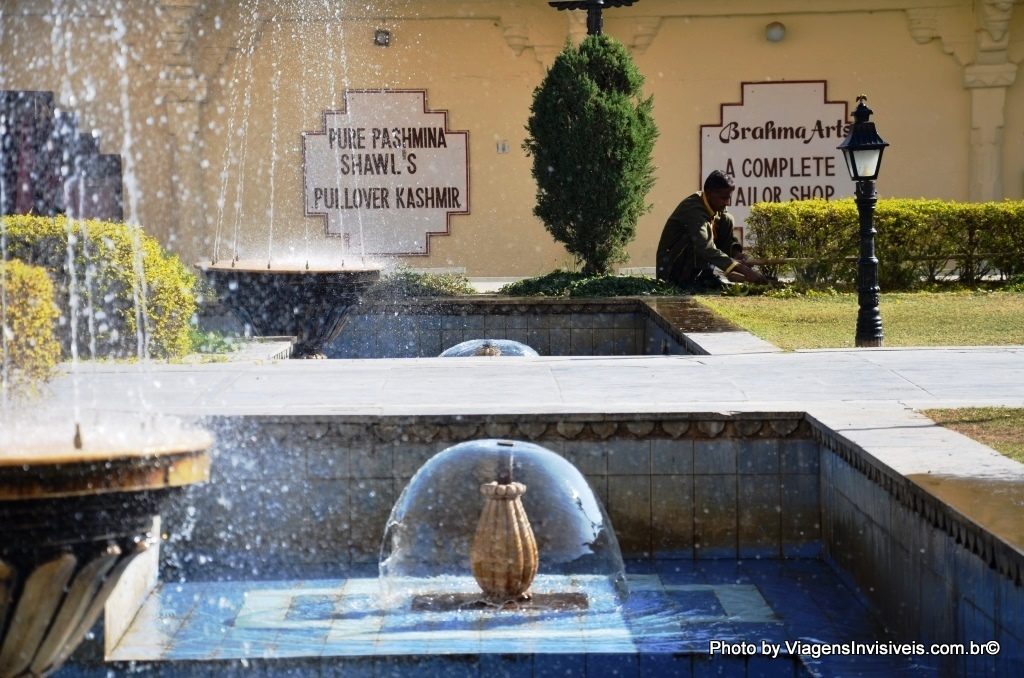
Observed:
{"x":595,"y":22}
{"x":862,"y":148}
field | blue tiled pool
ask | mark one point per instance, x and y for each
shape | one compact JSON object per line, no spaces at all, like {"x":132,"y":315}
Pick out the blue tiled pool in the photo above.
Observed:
{"x":669,"y":625}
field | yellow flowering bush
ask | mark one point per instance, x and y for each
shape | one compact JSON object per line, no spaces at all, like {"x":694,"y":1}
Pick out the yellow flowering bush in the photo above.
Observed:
{"x":115,"y":286}
{"x":29,"y":350}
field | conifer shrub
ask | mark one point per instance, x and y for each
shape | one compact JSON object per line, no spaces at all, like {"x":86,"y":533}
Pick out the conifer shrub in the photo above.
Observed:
{"x":591,"y":134}
{"x":29,"y":350}
{"x":115,"y":287}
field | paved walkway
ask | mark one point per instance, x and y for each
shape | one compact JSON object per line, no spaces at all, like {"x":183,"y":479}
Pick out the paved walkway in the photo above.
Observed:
{"x":869,"y":396}
{"x":914,"y":378}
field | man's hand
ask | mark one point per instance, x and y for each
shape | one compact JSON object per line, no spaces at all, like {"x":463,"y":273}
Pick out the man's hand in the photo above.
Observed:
{"x":744,"y":273}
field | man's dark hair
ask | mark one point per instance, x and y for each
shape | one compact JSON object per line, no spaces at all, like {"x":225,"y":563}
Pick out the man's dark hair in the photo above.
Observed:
{"x":718,"y":180}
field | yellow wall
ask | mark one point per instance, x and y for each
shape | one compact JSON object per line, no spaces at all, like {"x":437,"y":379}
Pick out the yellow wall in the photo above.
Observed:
{"x":191,"y":64}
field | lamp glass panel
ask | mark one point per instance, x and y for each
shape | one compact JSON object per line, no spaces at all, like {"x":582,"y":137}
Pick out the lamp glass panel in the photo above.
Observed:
{"x":847,"y":156}
{"x":866,"y":161}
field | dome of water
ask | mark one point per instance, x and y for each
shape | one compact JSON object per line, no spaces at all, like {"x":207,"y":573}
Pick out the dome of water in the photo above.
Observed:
{"x":433,"y":525}
{"x":488,"y":347}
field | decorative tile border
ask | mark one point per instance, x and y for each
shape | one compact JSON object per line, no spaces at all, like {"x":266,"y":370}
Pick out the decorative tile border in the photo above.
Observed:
{"x":426,"y":429}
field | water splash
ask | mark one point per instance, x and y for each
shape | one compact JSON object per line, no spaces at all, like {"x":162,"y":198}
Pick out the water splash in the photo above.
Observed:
{"x":251,"y":28}
{"x":246,"y":110}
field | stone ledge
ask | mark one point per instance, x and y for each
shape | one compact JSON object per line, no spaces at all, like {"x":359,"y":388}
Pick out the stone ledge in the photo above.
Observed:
{"x":727,"y":343}
{"x":964,"y":523}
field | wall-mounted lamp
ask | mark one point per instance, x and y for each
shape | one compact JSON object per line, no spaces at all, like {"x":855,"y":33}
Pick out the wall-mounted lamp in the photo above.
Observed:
{"x":775,"y":31}
{"x":382,"y":38}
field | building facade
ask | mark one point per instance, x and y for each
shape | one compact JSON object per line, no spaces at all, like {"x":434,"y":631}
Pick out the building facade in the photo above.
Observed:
{"x":212,"y":104}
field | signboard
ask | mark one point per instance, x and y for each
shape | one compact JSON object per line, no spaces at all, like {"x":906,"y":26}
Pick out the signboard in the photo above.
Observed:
{"x":779,"y":144}
{"x":385,"y":174}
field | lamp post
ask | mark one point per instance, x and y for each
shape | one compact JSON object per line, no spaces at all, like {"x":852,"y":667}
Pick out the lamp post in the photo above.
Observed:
{"x":862,"y":149}
{"x":595,"y":22}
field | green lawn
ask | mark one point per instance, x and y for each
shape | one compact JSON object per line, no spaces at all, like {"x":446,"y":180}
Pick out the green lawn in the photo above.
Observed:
{"x":1001,"y":428}
{"x":970,"y":318}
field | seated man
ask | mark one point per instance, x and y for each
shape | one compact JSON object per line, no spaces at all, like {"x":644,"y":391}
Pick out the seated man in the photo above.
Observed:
{"x":698,"y":235}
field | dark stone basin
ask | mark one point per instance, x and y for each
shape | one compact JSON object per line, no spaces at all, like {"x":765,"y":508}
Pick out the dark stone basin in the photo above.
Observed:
{"x":307,"y":303}
{"x":71,"y":521}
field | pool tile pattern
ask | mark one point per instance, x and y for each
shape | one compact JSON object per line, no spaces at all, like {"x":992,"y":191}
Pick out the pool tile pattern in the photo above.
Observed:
{"x":674,"y":610}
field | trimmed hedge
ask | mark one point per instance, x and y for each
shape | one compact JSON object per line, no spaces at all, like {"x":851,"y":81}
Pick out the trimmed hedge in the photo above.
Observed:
{"x":573,"y":284}
{"x":29,"y":350}
{"x":102,"y":260}
{"x":404,"y":283}
{"x":917,"y":240}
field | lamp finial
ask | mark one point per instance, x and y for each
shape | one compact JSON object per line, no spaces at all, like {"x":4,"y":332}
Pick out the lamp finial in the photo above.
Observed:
{"x":862,"y":113}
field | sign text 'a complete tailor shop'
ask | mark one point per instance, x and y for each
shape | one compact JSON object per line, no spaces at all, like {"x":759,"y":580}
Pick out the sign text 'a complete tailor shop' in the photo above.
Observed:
{"x":779,"y":144}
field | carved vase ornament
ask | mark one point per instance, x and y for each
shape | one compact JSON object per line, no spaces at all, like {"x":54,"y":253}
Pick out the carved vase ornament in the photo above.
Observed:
{"x":504,"y":551}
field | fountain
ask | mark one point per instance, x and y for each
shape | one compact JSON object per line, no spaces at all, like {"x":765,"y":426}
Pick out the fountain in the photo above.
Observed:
{"x":538,"y":518}
{"x":80,"y":497}
{"x":727,"y":518}
{"x":488,"y":347}
{"x":75,"y":513}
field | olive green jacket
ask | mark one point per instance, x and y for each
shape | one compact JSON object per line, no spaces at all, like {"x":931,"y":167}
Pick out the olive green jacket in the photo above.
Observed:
{"x":693,"y":240}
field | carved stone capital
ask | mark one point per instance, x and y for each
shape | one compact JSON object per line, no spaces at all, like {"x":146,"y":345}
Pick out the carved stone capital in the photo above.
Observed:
{"x":180,"y":90}
{"x":923,"y":24}
{"x":990,"y":75}
{"x":517,"y":36}
{"x":994,"y":19}
{"x":953,"y":27}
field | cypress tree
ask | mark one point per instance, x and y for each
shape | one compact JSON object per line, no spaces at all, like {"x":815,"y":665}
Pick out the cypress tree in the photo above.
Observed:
{"x":591,"y":134}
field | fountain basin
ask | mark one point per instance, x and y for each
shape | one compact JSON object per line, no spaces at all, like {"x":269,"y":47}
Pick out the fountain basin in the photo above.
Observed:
{"x":71,"y":522}
{"x":307,"y":302}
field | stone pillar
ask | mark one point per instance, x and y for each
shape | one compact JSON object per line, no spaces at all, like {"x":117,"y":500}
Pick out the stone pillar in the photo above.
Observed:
{"x":982,"y":50}
{"x":987,"y":85}
{"x":182,"y":92}
{"x":987,"y":79}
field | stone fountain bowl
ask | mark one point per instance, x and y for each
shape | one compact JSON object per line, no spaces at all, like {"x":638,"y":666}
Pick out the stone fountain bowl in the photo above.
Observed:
{"x":305,"y":302}
{"x":71,"y":521}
